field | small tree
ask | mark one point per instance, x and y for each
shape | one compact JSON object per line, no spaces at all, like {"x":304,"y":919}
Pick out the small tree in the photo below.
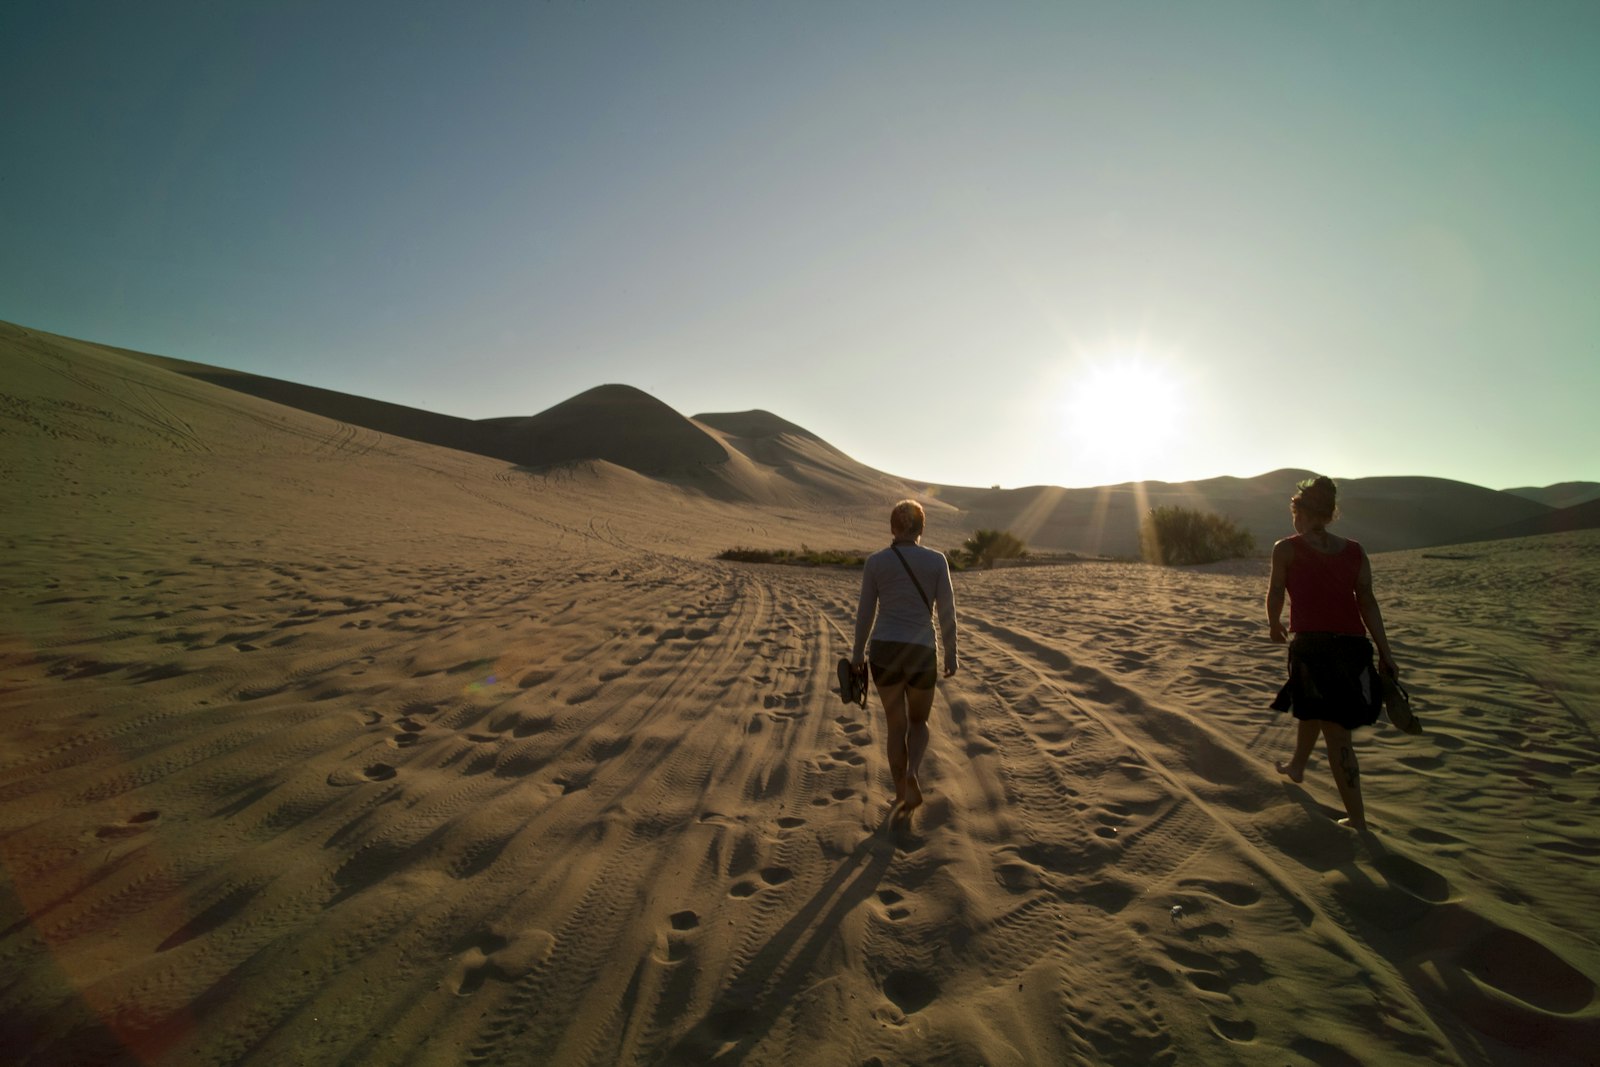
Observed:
{"x":1177,"y":537}
{"x":986,"y":546}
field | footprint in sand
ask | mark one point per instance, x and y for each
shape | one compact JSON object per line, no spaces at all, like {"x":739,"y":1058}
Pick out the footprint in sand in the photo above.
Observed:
{"x":372,"y":772}
{"x":771,"y":876}
{"x":893,"y":908}
{"x":495,"y":955}
{"x":1219,"y":971}
{"x":527,"y":726}
{"x":132,"y":825}
{"x":1422,"y":882}
{"x":1320,"y":1052}
{"x":1239,"y":1031}
{"x":844,"y":793}
{"x":1018,"y":877}
{"x":1236,"y":893}
{"x":674,"y":944}
{"x":910,"y":991}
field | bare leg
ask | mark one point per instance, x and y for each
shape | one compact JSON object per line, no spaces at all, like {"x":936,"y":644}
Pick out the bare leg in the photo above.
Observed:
{"x":919,"y":703}
{"x":1346,"y":774}
{"x":894,"y":708}
{"x":1305,"y":740}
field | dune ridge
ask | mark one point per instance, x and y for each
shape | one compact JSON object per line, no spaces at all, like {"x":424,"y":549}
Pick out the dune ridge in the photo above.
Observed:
{"x":758,"y":457}
{"x":325,"y":745}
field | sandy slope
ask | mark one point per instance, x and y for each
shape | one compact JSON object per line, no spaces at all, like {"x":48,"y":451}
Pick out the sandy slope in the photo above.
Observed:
{"x":322,"y":746}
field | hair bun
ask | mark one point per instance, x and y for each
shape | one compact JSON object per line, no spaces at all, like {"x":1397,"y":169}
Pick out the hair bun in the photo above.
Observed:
{"x":1318,"y":494}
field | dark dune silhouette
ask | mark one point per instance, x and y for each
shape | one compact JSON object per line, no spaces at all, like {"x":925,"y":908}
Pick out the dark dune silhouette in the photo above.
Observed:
{"x":1561,"y":494}
{"x":616,"y":423}
{"x":1383,"y":513}
{"x":758,"y":457}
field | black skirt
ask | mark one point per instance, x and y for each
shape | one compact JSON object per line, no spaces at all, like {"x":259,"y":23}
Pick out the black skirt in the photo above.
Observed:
{"x":1331,"y":679}
{"x":894,"y":662}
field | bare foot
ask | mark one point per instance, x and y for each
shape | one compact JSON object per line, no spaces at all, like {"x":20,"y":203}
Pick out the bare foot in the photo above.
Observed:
{"x":913,"y":796}
{"x":1290,"y":773}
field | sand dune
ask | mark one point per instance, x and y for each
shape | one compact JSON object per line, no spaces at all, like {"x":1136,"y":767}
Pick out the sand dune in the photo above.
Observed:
{"x":801,"y":459}
{"x":615,"y":423}
{"x":322,"y":745}
{"x":757,"y":457}
{"x":749,"y":457}
{"x":1384,"y":514}
{"x":1585,"y":516}
{"x":1562,"y":494}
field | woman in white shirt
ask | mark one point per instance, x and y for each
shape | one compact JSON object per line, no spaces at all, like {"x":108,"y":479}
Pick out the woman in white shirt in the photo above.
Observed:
{"x":900,"y":587}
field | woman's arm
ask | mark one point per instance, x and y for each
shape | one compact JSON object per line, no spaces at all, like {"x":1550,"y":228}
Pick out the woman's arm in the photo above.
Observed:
{"x":866,"y":609}
{"x":944,"y":595}
{"x":1367,"y":602}
{"x":1282,"y":553}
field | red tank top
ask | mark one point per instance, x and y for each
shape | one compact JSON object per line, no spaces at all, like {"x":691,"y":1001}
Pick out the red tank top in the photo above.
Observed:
{"x":1322,"y":589}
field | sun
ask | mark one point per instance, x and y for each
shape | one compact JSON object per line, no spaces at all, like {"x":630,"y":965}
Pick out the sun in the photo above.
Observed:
{"x":1123,"y":414}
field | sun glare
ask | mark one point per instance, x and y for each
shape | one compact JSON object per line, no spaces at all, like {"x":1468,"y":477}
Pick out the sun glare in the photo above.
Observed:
{"x":1123,"y":416}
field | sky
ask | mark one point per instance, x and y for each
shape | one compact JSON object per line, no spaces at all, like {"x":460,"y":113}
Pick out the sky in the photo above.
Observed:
{"x":977,"y":243}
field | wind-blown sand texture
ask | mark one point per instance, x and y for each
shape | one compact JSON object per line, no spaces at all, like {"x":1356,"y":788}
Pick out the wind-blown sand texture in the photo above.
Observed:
{"x":323,"y":746}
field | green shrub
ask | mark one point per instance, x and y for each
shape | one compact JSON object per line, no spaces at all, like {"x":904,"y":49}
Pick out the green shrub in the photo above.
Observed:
{"x":1178,"y":537}
{"x":805,"y":557}
{"x":986,"y":546}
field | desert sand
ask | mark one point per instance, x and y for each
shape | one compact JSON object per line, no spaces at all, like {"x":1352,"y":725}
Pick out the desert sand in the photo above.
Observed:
{"x":319,"y":745}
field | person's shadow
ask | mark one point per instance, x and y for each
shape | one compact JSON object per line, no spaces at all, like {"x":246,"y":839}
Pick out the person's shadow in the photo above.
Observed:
{"x":756,"y":996}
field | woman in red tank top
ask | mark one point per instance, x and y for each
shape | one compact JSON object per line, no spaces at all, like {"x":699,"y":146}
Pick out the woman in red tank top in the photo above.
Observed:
{"x":1332,"y":688}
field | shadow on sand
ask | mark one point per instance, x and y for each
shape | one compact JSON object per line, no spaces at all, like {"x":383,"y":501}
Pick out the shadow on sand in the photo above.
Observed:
{"x":781,"y":970}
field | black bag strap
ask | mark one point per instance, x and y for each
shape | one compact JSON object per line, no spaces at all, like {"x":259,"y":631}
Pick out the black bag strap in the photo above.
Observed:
{"x":925,"y":601}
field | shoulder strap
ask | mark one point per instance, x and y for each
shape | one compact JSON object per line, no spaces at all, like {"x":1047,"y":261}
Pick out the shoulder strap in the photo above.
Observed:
{"x":925,"y":601}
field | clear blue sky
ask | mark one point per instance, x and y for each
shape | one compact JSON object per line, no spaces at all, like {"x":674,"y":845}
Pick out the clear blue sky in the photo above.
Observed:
{"x":950,"y":238}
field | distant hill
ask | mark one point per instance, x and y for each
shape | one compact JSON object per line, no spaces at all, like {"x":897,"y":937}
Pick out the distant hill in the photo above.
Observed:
{"x":1585,"y":516}
{"x":757,"y":457}
{"x":752,"y":456}
{"x":754,"y":425}
{"x":411,"y":423}
{"x":802,"y":458}
{"x":1561,"y":494}
{"x":616,"y":423}
{"x":1382,"y":513}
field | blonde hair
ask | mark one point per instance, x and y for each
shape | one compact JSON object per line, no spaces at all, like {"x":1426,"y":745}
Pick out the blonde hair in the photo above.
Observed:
{"x":907,"y":519}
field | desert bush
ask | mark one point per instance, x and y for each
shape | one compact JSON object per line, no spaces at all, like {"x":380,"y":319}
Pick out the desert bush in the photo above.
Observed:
{"x":1178,"y":537}
{"x":805,"y":557}
{"x":986,"y":546}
